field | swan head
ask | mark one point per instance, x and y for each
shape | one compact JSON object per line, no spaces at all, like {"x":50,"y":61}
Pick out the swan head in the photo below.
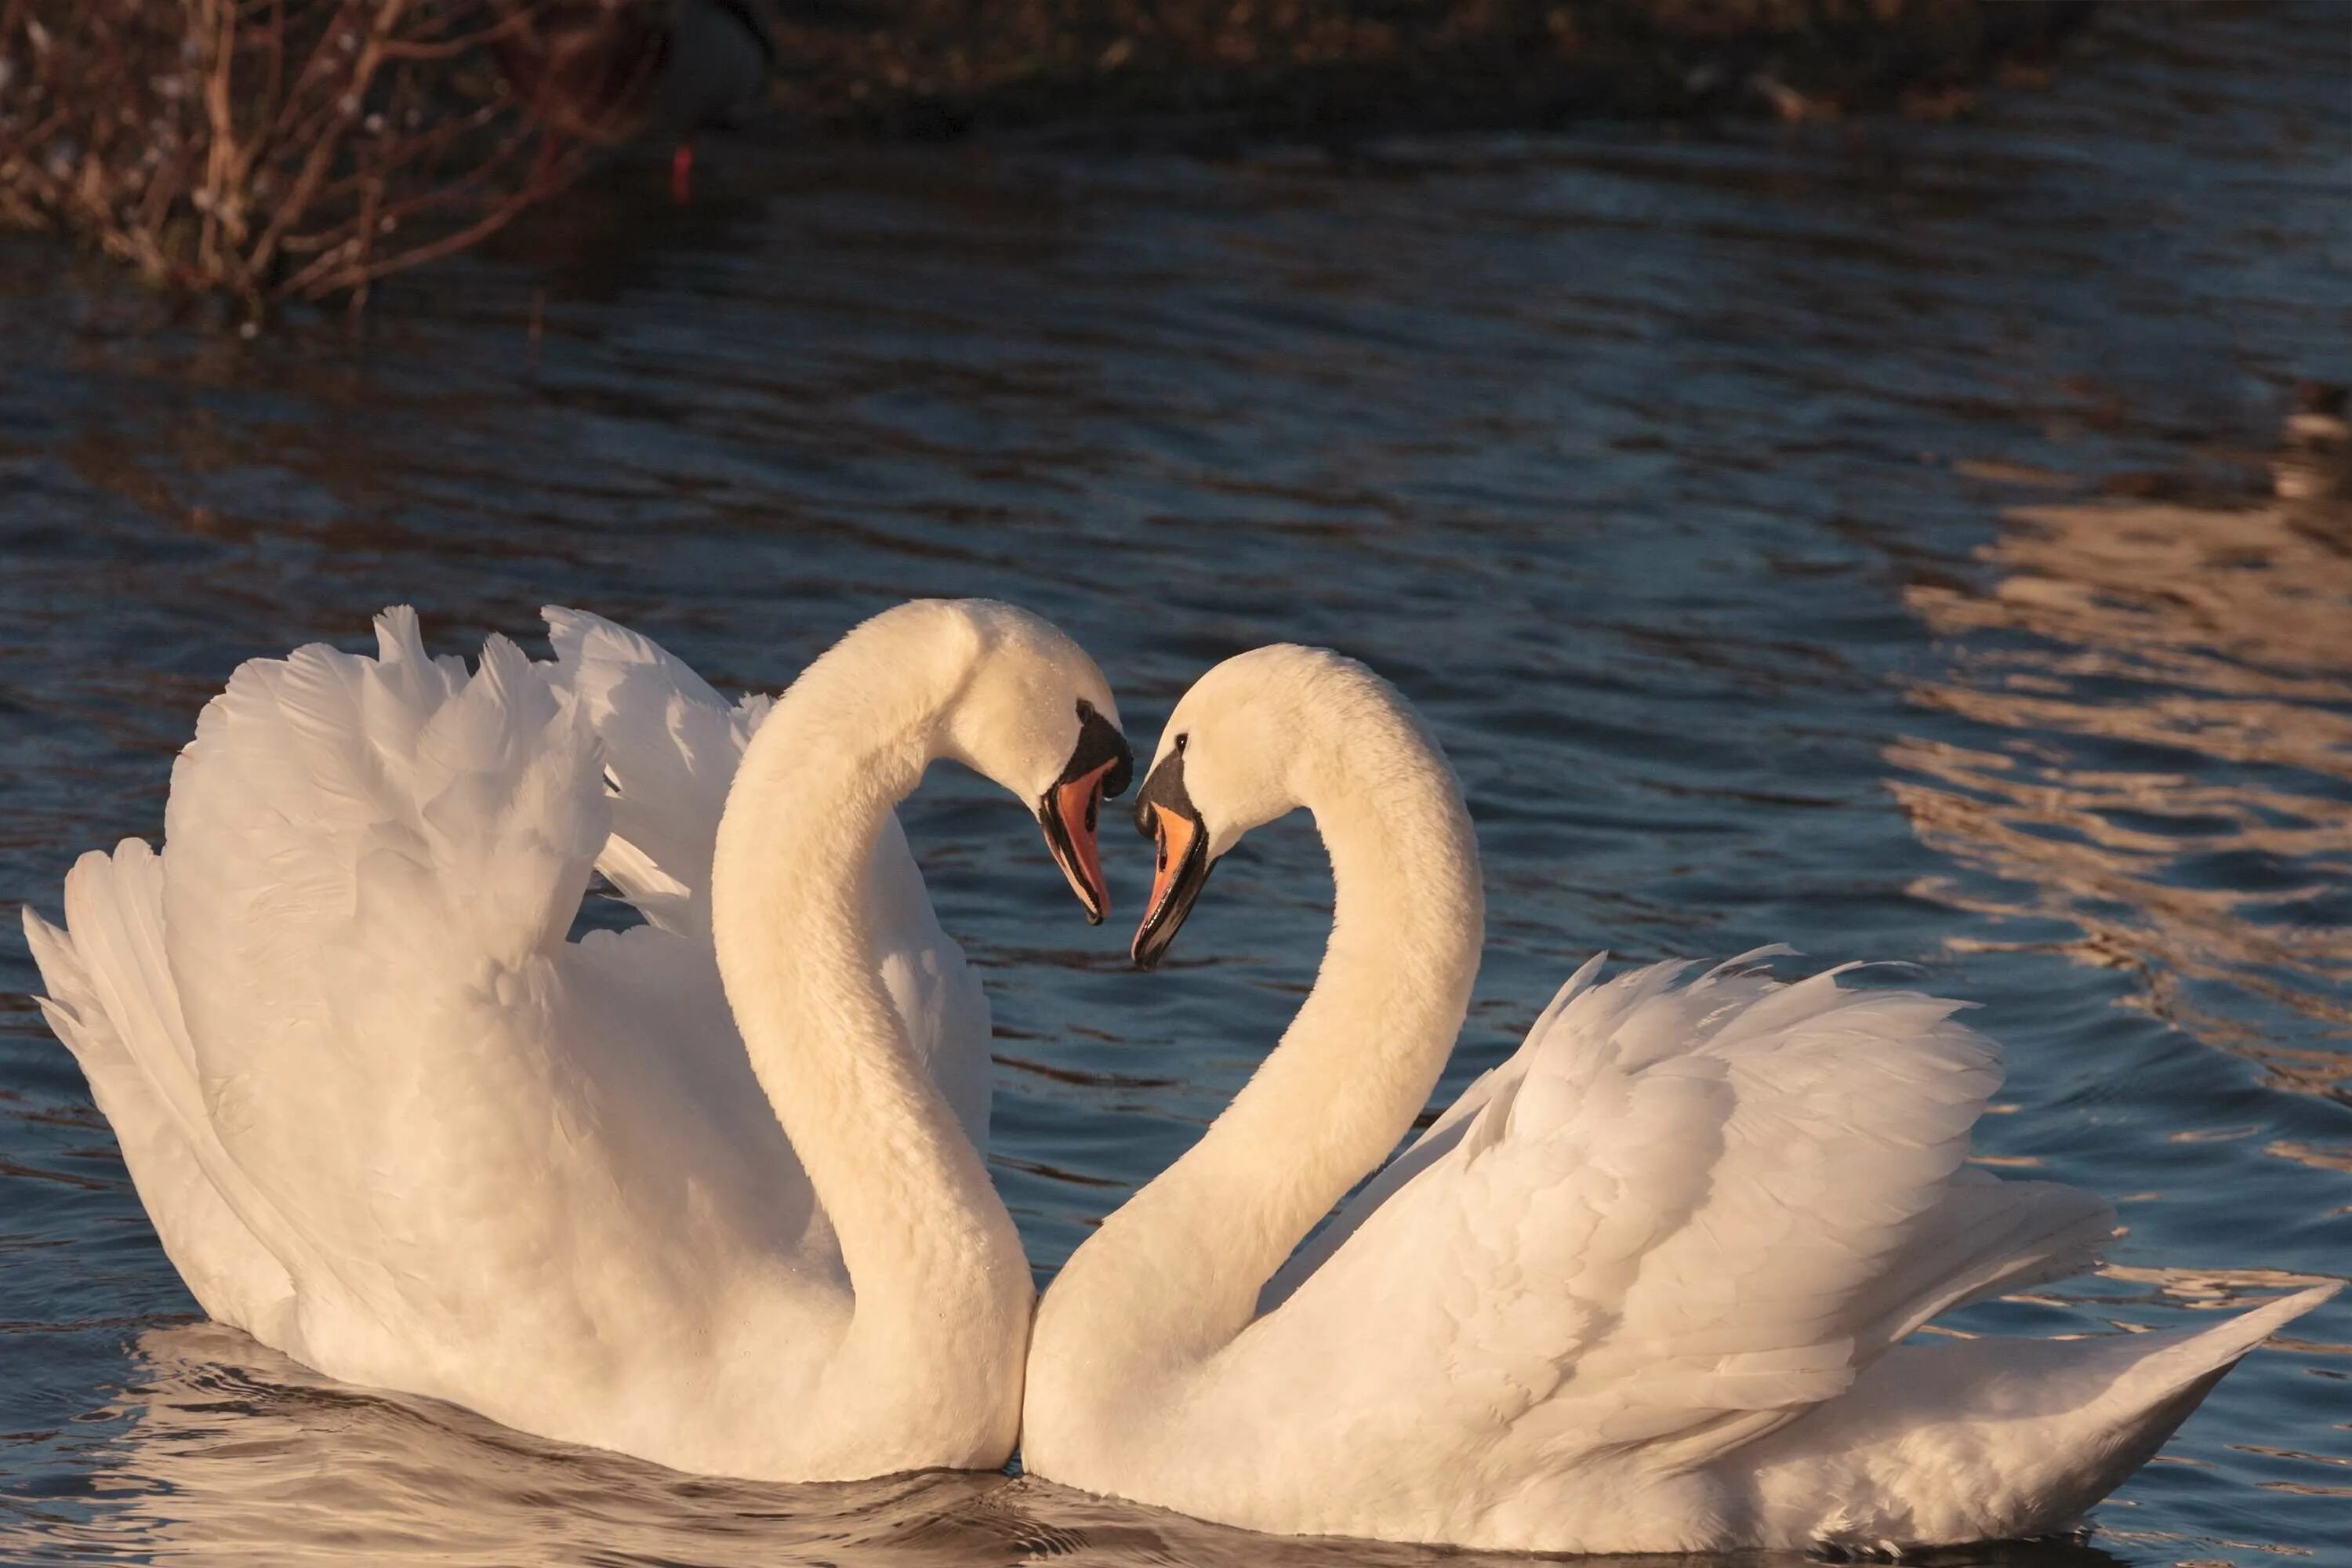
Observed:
{"x":1242,"y":748}
{"x":1034,"y":715}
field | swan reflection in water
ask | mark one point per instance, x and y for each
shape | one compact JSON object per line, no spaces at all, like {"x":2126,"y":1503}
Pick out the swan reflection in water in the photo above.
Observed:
{"x":230,"y":1452}
{"x":2169,"y":687}
{"x":221,"y":1451}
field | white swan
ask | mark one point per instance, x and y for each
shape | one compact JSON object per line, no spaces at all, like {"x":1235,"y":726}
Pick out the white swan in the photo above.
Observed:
{"x":387,"y":1119}
{"x":1643,"y":1288}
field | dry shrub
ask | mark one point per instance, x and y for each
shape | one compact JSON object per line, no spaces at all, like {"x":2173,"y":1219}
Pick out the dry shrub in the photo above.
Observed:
{"x":273,"y":149}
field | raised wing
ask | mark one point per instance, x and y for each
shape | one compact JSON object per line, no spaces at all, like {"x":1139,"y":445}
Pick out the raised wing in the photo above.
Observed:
{"x":370,"y":870}
{"x":1680,"y":1216}
{"x":671,"y":746}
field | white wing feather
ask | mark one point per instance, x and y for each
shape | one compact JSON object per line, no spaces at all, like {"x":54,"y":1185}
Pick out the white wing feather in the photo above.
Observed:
{"x":370,"y":870}
{"x":1680,"y":1216}
{"x":112,"y":1003}
{"x":671,"y":748}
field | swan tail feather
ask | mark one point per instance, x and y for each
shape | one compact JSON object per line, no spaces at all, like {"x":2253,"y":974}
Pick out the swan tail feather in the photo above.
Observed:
{"x":1965,"y":1440}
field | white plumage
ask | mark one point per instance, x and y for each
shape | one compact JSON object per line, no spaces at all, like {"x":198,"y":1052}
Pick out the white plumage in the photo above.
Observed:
{"x":1643,"y":1288}
{"x":389,"y":1121}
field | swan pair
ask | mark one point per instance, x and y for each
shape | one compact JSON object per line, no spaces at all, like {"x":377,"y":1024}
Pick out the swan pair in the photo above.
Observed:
{"x":709,"y":1190}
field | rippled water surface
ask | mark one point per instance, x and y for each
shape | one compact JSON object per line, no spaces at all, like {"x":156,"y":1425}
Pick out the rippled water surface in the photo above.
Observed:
{"x":1882,"y":539}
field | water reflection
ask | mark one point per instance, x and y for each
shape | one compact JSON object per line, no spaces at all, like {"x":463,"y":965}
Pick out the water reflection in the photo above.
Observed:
{"x":2167,"y":685}
{"x":227,"y":1453}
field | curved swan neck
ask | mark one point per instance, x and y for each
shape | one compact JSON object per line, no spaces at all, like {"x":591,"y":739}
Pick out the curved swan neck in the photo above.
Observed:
{"x":1180,"y":1266}
{"x":922,"y":1233}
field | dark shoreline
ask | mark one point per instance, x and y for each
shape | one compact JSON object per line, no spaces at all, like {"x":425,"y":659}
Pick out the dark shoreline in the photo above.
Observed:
{"x":223,"y":169}
{"x":1223,"y":73}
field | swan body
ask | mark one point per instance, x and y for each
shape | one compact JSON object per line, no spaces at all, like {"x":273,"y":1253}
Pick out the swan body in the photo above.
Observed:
{"x":706,"y":1190}
{"x":1646,"y":1287}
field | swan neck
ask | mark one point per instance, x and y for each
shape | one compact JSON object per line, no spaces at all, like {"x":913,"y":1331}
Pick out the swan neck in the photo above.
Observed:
{"x":922,"y":1232}
{"x":1190,"y":1254}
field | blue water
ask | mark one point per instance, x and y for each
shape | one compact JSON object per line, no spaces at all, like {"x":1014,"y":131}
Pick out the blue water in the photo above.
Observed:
{"x":1862,"y":536}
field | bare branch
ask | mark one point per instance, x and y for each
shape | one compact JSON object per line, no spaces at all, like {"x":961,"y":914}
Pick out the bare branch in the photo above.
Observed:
{"x":271,"y":148}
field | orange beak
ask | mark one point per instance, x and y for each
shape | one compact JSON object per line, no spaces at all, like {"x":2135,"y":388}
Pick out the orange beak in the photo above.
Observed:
{"x":1175,"y":832}
{"x":1176,"y":878}
{"x":1069,"y":814}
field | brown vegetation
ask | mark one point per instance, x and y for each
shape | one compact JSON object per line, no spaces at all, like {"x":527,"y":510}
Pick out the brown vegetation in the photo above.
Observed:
{"x":272,"y":149}
{"x":299,"y":149}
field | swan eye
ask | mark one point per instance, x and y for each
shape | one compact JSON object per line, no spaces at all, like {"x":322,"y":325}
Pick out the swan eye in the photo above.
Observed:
{"x":1181,"y":743}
